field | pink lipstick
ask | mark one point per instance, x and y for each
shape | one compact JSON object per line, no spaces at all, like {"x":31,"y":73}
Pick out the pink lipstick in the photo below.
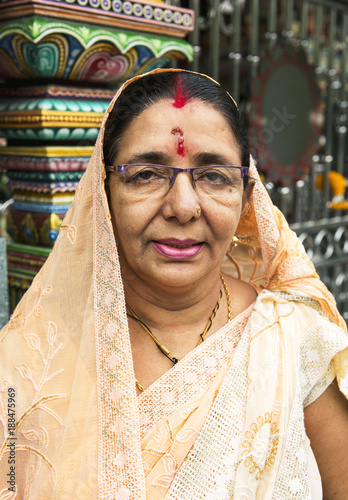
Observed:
{"x":173,"y":248}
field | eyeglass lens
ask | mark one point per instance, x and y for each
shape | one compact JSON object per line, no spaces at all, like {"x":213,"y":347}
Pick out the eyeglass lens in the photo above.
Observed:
{"x":216,"y":181}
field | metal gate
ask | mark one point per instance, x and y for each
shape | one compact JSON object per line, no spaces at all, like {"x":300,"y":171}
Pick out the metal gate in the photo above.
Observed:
{"x":229,"y":40}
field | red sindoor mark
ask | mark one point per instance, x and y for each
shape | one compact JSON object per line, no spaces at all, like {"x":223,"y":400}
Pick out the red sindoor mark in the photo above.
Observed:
{"x":180,"y":97}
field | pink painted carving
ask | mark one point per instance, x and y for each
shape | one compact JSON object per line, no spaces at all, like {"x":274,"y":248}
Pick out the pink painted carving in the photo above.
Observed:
{"x":103,"y":67}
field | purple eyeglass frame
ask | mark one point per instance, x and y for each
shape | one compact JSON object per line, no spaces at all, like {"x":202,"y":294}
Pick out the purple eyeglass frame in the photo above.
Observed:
{"x":121,"y":169}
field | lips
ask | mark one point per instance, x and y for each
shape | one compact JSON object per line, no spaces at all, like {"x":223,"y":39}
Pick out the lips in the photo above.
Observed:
{"x":173,"y":248}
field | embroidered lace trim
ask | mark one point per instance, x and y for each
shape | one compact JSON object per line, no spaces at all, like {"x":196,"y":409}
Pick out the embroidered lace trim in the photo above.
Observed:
{"x":192,"y":376}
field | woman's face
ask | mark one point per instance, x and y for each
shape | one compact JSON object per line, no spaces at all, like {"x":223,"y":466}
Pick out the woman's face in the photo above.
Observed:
{"x":163,"y":239}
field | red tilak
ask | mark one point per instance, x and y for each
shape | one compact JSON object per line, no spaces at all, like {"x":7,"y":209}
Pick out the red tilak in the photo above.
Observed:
{"x":180,"y":149}
{"x":177,"y":130}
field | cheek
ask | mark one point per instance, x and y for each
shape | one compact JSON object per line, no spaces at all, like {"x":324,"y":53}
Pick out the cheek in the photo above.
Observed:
{"x":125,"y":221}
{"x":121,"y":215}
{"x":224,"y":217}
{"x":129,"y":219}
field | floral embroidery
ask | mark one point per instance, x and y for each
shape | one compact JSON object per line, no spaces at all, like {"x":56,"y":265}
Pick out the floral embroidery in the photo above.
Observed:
{"x":71,"y":232}
{"x":260,"y":458}
{"x":165,"y":480}
{"x":5,"y":494}
{"x":36,"y":439}
{"x":170,"y":465}
{"x":36,"y":310}
{"x":185,"y":435}
{"x":295,"y":267}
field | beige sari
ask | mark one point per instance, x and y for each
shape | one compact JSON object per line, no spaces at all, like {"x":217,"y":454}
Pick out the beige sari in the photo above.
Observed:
{"x":225,"y":422}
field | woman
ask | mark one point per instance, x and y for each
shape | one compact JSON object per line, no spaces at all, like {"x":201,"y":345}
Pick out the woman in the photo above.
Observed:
{"x":137,"y":367}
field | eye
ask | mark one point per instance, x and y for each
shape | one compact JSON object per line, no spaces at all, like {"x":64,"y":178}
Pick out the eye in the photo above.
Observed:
{"x":212,"y":176}
{"x":145,"y":174}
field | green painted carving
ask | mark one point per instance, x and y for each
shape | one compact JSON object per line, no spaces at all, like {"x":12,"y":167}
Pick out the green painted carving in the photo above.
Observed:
{"x":37,"y":27}
{"x":40,"y":47}
{"x":46,"y":104}
{"x":52,"y":134}
{"x":42,"y":59}
{"x":45,"y":176}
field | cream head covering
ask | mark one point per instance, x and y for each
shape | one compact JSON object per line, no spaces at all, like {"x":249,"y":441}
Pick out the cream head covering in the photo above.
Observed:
{"x":66,"y":351}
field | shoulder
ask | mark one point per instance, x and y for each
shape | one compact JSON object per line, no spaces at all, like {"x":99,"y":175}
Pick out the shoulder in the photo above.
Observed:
{"x":304,"y":311}
{"x":242,"y":294}
{"x":298,"y":324}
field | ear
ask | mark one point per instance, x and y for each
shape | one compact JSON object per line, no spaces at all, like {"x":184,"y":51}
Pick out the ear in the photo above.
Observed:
{"x":247,"y":194}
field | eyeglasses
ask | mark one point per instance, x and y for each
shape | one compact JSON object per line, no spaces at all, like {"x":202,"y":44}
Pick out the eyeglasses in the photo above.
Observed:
{"x":213,"y":180}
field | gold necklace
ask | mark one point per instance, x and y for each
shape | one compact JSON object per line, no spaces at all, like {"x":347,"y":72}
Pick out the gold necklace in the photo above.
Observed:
{"x":228,"y":298}
{"x":166,"y":351}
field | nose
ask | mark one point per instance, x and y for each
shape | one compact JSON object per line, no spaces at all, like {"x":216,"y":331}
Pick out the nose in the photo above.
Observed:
{"x":181,"y":200}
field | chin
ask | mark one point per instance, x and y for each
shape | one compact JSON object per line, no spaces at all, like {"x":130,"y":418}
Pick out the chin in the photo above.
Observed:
{"x":177,"y":275}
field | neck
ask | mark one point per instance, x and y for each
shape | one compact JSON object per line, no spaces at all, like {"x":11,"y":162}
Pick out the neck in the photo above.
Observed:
{"x":174,"y":313}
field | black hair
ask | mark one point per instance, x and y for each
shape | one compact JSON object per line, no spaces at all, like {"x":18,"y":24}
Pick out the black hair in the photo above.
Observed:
{"x":141,"y":93}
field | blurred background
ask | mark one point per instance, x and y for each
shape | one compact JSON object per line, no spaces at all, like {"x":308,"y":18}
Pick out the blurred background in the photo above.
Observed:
{"x":284,"y":62}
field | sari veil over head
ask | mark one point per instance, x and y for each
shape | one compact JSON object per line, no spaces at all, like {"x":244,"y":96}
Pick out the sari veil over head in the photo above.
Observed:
{"x":80,"y":429}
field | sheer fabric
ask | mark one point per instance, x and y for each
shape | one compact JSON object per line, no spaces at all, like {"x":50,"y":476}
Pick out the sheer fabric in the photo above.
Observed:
{"x":236,"y":428}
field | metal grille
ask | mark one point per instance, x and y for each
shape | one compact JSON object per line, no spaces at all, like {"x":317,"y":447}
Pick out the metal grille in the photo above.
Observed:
{"x":229,"y":40}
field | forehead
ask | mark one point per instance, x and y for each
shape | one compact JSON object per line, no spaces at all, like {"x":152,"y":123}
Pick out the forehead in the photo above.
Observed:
{"x":200,"y":124}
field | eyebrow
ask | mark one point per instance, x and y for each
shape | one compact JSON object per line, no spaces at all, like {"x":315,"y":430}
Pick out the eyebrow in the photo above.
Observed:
{"x":149,"y":157}
{"x":200,"y":159}
{"x":206,"y":158}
